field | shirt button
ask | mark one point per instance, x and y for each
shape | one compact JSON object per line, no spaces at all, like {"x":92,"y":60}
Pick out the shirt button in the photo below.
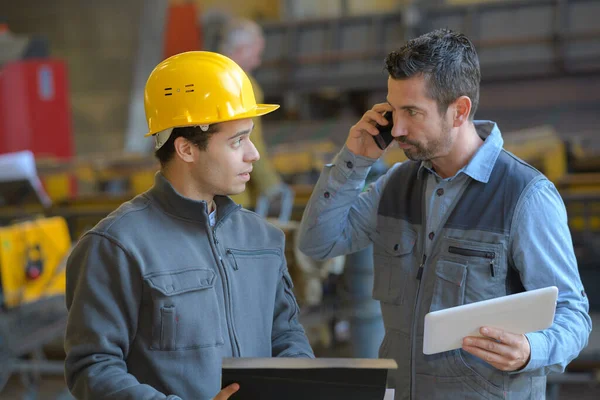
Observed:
{"x":326,"y":195}
{"x":349,"y":165}
{"x":440,"y":191}
{"x":431,"y":235}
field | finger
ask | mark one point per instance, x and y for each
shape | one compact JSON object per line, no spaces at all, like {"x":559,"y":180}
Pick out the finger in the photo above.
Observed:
{"x":493,"y":359}
{"x":488,"y":345}
{"x":500,"y":335}
{"x":381,"y":107}
{"x":226,"y":392}
{"x":376,"y":117}
{"x":511,"y":362}
{"x":366,"y":127}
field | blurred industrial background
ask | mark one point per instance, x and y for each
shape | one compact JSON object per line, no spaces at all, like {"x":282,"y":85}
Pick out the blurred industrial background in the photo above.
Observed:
{"x":72,"y":74}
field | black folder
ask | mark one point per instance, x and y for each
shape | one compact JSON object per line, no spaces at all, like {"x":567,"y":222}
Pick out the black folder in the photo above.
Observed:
{"x":304,"y":378}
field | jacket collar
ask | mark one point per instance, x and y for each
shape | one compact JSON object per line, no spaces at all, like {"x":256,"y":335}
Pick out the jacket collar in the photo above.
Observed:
{"x":179,"y":206}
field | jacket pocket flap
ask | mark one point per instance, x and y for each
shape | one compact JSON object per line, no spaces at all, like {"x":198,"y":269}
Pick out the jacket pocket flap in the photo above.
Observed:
{"x":451,"y":272}
{"x":398,"y":243}
{"x":177,"y":282}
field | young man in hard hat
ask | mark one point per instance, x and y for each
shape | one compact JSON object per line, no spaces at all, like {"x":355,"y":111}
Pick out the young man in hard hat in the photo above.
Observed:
{"x":180,"y":277}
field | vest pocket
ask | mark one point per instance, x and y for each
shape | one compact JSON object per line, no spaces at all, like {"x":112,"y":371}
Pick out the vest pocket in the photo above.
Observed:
{"x":393,"y":265}
{"x":486,"y":270}
{"x":449,"y":287}
{"x":479,"y":372}
{"x":490,"y":256}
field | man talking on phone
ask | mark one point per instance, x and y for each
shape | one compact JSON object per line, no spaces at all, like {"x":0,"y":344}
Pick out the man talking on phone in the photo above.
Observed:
{"x":462,"y":221}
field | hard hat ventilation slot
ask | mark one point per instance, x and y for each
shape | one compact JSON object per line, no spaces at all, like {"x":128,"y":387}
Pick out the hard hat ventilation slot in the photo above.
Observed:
{"x":189,"y":88}
{"x":168,"y":94}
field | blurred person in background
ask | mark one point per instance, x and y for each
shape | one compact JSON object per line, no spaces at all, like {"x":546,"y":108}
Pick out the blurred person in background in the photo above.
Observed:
{"x":462,"y":221}
{"x":173,"y":281}
{"x":243,"y":41}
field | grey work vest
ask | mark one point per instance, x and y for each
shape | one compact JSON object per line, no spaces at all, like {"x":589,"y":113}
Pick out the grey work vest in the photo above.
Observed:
{"x":469,"y":262}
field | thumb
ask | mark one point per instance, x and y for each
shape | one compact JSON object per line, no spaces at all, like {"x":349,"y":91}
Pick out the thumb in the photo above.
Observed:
{"x":226,"y":392}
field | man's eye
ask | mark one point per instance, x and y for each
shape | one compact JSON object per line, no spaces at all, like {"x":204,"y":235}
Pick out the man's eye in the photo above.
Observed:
{"x":412,"y":113}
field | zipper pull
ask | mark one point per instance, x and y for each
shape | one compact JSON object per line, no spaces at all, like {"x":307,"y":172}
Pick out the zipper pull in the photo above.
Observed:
{"x":235,"y":266}
{"x":215,"y":237}
{"x":420,"y":272}
{"x":492,"y":257}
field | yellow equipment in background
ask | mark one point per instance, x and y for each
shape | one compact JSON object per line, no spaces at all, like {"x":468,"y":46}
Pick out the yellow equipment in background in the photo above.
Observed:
{"x":32,"y":255}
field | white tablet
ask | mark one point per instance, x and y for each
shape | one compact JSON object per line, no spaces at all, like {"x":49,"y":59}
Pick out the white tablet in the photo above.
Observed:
{"x":530,"y":311}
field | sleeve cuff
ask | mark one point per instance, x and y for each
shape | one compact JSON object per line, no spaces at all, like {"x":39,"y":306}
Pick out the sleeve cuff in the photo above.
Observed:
{"x":539,"y":351}
{"x":352,"y":166}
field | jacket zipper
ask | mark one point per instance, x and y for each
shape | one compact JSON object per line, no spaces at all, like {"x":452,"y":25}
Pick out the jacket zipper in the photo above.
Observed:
{"x":228,"y":304}
{"x":233,"y":252}
{"x":228,"y":300}
{"x":490,"y":255}
{"x":420,"y":272}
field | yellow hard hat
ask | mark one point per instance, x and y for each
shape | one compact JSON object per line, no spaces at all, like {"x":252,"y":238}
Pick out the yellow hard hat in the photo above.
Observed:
{"x":198,"y":88}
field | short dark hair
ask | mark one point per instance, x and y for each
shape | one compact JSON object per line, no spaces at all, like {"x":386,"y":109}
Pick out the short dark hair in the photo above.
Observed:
{"x":447,"y":60}
{"x":192,"y":133}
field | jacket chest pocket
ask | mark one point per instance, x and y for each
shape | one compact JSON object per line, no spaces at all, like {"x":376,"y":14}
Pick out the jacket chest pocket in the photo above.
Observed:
{"x":248,"y":259}
{"x":185,"y":310}
{"x":252,"y":269}
{"x":485,"y":268}
{"x":394,"y":265}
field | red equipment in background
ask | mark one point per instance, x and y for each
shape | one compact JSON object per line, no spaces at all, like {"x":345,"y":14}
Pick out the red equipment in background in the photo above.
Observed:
{"x":34,"y":108}
{"x":182,"y":30}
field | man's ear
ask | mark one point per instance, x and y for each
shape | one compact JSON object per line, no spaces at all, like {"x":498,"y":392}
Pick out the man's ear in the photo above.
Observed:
{"x":184,"y":149}
{"x":462,"y":109}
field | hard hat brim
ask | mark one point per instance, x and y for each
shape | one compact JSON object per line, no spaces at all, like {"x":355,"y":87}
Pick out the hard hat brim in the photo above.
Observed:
{"x":261,"y":109}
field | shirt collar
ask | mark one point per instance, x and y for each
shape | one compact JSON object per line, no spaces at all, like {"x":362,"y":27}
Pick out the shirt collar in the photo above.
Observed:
{"x":482,"y":163}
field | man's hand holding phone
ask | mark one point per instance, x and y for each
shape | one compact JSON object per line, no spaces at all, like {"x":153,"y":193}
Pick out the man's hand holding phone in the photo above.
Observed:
{"x":365,"y":138}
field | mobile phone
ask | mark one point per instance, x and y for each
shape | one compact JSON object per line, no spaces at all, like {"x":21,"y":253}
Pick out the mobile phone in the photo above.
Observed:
{"x":385,"y":137}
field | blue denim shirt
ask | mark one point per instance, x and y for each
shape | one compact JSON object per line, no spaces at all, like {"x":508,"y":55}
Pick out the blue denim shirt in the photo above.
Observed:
{"x":339,"y":219}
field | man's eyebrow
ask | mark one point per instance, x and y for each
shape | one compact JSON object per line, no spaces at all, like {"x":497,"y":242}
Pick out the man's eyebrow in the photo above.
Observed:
{"x":241,"y":133}
{"x":408,"y":107}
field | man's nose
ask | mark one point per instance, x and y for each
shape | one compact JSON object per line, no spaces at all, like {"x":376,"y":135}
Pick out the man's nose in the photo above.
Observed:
{"x":399,"y":129}
{"x":251,"y":154}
